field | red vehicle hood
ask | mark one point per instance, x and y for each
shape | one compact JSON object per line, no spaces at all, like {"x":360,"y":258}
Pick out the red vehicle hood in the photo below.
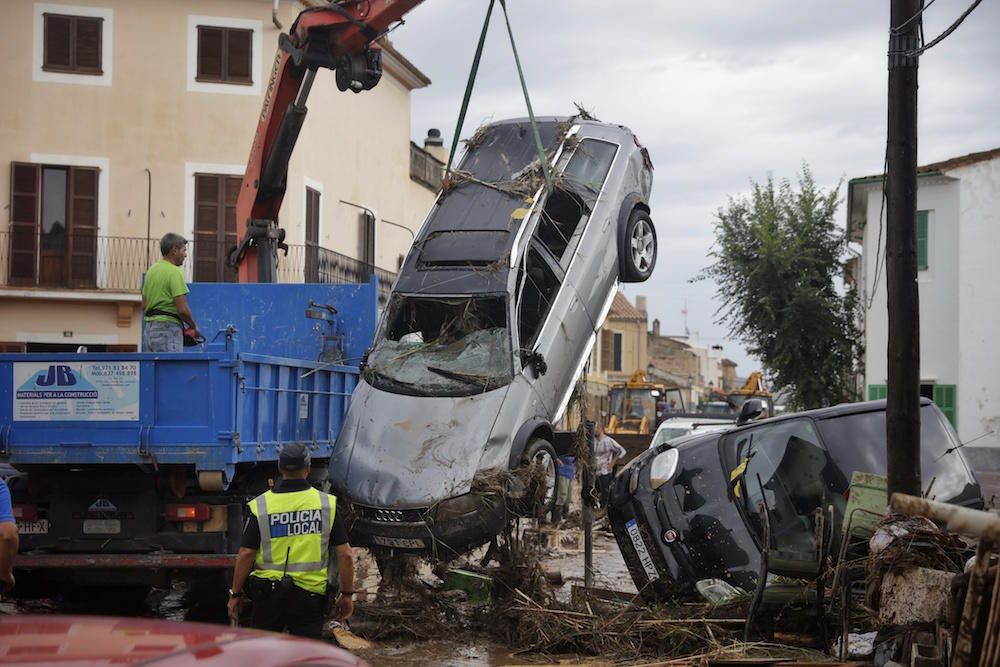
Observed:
{"x":99,"y":640}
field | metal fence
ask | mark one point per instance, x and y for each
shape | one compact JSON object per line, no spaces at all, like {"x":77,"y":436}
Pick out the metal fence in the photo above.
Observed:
{"x":117,"y":263}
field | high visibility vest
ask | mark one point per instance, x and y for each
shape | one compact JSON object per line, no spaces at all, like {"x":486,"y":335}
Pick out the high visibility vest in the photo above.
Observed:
{"x":294,"y":536}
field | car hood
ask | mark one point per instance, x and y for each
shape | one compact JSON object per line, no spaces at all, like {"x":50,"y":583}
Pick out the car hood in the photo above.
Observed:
{"x":406,"y":452}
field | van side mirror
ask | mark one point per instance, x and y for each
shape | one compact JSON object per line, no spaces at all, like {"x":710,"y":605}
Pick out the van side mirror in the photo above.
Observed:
{"x":750,"y":411}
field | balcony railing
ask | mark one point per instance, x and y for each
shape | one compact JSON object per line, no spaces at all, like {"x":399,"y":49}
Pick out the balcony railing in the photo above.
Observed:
{"x":117,"y":263}
{"x":425,"y":168}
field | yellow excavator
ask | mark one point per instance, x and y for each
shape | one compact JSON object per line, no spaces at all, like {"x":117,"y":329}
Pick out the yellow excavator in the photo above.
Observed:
{"x":636,"y":407}
{"x":753,"y":388}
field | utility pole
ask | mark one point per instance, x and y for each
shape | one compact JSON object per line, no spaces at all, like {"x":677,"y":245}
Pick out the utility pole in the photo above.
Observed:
{"x":903,"y":405}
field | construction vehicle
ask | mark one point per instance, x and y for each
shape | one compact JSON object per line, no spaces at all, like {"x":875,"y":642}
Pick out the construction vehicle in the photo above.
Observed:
{"x":753,"y":388}
{"x":636,"y":407}
{"x":128,"y":467}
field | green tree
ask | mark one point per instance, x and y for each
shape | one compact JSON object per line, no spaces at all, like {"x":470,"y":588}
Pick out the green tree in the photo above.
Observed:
{"x":777,"y":257}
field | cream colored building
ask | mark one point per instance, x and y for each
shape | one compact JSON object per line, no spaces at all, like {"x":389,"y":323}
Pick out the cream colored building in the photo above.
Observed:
{"x":126,"y":119}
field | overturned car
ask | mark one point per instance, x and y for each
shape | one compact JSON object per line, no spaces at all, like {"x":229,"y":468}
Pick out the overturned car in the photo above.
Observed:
{"x":491,"y":319}
{"x":687,"y":511}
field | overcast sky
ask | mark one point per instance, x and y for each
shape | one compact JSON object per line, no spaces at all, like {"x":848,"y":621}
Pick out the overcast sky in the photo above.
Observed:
{"x":720,"y":92}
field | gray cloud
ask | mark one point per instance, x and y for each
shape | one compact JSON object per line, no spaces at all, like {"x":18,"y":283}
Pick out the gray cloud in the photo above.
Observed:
{"x":721,"y":93}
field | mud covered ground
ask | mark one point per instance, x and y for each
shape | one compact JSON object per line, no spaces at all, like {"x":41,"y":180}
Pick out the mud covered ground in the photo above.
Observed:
{"x":205,"y":600}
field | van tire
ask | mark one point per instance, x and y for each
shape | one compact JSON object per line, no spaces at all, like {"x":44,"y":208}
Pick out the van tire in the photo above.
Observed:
{"x":637,"y":248}
{"x":541,"y":490}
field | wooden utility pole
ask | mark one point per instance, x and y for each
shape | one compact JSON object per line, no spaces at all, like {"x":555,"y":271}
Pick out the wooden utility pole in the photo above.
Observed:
{"x":903,"y":410}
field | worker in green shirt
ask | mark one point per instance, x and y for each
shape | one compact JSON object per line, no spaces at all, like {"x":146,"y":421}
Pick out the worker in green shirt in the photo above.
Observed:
{"x":164,"y":299}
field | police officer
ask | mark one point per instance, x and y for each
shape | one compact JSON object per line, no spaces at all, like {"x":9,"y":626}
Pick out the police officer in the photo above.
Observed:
{"x":282,"y":562}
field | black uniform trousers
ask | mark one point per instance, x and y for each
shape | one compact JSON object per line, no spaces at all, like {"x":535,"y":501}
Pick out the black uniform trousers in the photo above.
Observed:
{"x":284,"y":607}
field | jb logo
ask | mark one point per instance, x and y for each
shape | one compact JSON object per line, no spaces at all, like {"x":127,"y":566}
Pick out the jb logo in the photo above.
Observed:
{"x":61,"y":376}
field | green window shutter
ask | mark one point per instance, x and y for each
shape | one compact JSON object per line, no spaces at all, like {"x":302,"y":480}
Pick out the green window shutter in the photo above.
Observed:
{"x":922,"y":263}
{"x":944,"y":398}
{"x":877,"y":392}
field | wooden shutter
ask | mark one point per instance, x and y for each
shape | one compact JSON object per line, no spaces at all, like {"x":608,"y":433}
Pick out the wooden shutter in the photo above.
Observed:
{"x":239,"y":46}
{"x":13,"y":347}
{"x":922,"y":241}
{"x":367,"y":250}
{"x":944,"y":398}
{"x":82,"y":228}
{"x":87,"y":46}
{"x":58,"y":49}
{"x":877,"y":392}
{"x":214,"y":225}
{"x":312,"y":236}
{"x":210,"y":54}
{"x":25,"y":212}
{"x":607,"y":349}
{"x":618,"y":339}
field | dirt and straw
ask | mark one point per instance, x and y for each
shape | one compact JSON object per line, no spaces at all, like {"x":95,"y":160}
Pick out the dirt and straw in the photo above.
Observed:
{"x":524,"y":614}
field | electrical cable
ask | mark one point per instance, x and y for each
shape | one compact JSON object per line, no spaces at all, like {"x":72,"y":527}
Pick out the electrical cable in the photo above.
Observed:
{"x":937,"y":40}
{"x":902,"y":26}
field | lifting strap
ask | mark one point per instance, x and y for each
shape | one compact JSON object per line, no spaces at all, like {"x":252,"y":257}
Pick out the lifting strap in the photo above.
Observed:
{"x":524,"y":88}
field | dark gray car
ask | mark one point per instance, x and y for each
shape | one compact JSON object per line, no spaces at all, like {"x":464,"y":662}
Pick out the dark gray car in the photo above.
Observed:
{"x":490,"y":322}
{"x":684,"y":512}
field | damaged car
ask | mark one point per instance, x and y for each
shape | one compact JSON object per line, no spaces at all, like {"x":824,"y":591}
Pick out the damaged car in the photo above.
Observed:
{"x":687,"y":511}
{"x":488,"y":325}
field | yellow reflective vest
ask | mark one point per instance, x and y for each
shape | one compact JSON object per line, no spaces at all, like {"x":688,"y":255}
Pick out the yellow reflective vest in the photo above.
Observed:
{"x":294,"y":536}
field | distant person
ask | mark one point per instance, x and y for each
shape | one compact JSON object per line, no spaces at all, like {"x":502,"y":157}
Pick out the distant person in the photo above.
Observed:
{"x":607,"y":451}
{"x":164,"y":299}
{"x":565,"y":472}
{"x":8,"y":539}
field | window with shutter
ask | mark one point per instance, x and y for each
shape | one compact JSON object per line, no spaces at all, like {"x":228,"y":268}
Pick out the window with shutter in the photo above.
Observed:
{"x":72,"y":44}
{"x":607,"y":349}
{"x":616,"y":363}
{"x":922,"y":241}
{"x":225,"y":55}
{"x":214,"y":226}
{"x":945,"y":398}
{"x":877,"y":392}
{"x":312,"y":235}
{"x":53,"y":240}
{"x":366,"y":250}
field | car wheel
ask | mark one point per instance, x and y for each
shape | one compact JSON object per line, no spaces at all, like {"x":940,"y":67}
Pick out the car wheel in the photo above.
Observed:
{"x":539,"y":462}
{"x":638,"y":248}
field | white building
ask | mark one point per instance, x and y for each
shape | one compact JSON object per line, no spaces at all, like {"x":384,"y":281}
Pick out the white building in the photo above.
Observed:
{"x":958,"y":242}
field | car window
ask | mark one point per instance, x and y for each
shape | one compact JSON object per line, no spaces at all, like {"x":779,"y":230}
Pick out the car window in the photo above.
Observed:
{"x":665,"y":434}
{"x":442,"y":346}
{"x":539,"y":286}
{"x":568,"y":207}
{"x":857,"y":443}
{"x":789,"y":470}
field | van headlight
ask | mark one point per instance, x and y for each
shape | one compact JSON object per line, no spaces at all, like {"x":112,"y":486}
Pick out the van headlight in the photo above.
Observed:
{"x":663,"y":468}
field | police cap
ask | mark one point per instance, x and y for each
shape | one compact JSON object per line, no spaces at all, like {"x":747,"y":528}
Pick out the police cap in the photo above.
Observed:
{"x":293,"y":456}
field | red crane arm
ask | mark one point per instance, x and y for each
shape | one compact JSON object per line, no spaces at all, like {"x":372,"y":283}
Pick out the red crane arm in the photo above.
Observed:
{"x":339,"y":37}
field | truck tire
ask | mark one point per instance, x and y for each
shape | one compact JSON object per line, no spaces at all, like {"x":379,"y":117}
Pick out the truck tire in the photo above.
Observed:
{"x":637,"y":248}
{"x":541,"y":481}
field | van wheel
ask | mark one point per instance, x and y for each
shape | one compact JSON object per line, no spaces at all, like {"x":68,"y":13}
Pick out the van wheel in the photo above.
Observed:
{"x":539,"y":465}
{"x":637,"y":249}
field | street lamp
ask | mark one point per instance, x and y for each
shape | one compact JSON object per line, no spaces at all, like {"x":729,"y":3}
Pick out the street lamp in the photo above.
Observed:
{"x":650,"y":368}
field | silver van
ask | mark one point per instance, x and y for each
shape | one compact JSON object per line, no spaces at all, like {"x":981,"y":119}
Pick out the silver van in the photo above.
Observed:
{"x":489,"y":324}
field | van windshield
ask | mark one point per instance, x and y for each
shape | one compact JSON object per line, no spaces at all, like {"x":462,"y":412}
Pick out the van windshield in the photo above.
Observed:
{"x":435,"y":346}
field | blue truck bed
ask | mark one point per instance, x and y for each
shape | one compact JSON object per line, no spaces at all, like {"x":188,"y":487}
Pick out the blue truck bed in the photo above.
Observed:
{"x":257,"y":384}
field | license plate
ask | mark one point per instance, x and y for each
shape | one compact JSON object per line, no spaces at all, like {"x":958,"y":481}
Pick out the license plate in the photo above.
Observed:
{"x":40,"y":527}
{"x":642,"y":551}
{"x":102,"y":526}
{"x":398,"y":542}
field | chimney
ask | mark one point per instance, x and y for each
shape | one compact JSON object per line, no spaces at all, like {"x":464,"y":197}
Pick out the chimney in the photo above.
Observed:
{"x":640,"y":303}
{"x":656,"y":327}
{"x":434,"y":144}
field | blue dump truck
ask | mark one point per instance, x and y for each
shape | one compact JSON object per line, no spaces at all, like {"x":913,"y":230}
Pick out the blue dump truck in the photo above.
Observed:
{"x":130,"y":468}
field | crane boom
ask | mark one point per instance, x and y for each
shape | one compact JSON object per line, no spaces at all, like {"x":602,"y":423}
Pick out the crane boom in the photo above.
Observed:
{"x":340,"y":37}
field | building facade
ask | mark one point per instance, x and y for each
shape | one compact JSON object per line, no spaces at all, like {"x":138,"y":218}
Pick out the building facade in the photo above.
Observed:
{"x":958,"y":233}
{"x":127,"y":119}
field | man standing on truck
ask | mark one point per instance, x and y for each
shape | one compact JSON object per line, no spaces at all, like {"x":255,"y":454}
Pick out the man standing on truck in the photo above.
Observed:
{"x":8,"y":539}
{"x":164,"y":299}
{"x":607,"y":451}
{"x":285,"y":543}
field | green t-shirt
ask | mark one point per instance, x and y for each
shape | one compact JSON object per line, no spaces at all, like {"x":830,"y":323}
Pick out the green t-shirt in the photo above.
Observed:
{"x":164,"y":282}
